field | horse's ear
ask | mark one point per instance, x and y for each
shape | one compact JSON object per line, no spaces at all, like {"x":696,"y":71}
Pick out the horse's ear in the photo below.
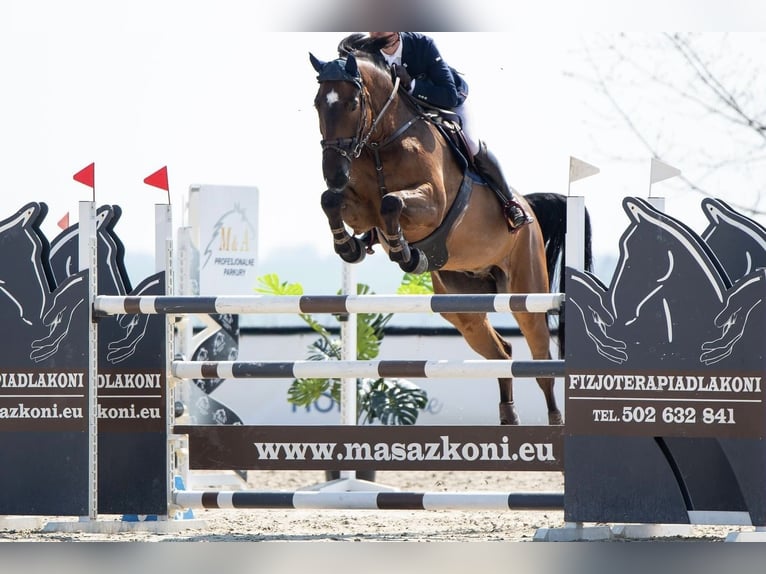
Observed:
{"x":351,"y":68}
{"x":318,"y":64}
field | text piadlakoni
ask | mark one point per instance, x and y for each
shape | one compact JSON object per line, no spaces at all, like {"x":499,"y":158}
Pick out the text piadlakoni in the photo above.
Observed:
{"x":665,"y":383}
{"x":662,"y":405}
{"x":77,"y":381}
{"x":59,"y":400}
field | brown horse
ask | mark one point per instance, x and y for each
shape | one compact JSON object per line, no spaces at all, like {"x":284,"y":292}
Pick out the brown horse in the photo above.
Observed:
{"x":391,"y":174}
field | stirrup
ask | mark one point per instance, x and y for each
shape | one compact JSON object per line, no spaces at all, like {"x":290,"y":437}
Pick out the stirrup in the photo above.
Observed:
{"x":515,"y":215}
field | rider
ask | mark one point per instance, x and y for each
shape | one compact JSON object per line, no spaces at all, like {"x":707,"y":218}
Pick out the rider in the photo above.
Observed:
{"x":424,"y":74}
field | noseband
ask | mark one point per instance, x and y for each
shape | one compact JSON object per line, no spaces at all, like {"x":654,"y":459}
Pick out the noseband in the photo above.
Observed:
{"x":352,"y":147}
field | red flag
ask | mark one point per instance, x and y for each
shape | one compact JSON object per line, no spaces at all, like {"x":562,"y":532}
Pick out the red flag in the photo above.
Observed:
{"x":64,"y":221}
{"x":87,"y":176}
{"x":158,"y":179}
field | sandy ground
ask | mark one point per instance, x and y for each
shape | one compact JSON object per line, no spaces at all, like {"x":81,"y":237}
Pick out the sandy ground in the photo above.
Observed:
{"x":366,"y":525}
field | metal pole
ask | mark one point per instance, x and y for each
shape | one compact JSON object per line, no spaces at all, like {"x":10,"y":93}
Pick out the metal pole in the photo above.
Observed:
{"x":348,"y":406}
{"x":163,"y":261}
{"x":87,"y":257}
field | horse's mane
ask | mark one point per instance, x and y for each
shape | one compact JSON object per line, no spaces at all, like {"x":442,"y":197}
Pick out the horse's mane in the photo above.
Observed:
{"x":364,"y":47}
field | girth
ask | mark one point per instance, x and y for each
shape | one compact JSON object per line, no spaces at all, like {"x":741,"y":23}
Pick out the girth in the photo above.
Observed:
{"x":434,"y":247}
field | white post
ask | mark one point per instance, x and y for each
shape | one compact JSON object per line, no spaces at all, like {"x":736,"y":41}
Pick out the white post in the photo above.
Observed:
{"x":87,"y":256}
{"x":183,"y":286}
{"x":660,"y":171}
{"x":575,"y":232}
{"x":163,"y":238}
{"x":163,"y":261}
{"x":183,"y":346}
{"x":348,"y":406}
{"x":658,"y":203}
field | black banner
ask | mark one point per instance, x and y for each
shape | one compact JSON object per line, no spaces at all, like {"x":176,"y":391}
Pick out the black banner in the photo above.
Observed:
{"x":665,"y":364}
{"x":216,"y":447}
{"x":44,"y":392}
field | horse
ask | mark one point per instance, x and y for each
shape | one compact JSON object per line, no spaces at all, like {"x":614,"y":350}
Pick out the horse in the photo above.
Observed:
{"x":391,"y":173}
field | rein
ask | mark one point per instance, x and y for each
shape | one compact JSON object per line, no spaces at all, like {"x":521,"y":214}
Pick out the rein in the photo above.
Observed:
{"x":375,"y":147}
{"x":352,"y":147}
{"x":363,"y":141}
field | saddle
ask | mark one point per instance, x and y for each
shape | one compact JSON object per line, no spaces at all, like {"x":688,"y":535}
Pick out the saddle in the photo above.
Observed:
{"x":449,"y":125}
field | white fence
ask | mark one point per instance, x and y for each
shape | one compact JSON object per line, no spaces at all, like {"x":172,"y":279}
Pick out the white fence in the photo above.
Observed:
{"x":451,"y":401}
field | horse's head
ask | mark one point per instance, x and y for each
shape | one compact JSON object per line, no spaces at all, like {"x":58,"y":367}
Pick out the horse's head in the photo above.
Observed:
{"x":341,"y":108}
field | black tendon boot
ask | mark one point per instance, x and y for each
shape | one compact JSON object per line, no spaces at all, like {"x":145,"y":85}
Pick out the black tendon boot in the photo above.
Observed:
{"x":489,"y":168}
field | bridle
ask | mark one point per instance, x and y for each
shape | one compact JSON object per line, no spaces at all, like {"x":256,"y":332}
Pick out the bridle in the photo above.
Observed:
{"x":352,"y":147}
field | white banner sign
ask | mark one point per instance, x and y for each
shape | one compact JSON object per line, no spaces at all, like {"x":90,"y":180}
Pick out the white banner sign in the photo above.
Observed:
{"x":228,"y":239}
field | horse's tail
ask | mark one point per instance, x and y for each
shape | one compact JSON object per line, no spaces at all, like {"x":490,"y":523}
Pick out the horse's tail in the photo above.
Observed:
{"x":550,"y":210}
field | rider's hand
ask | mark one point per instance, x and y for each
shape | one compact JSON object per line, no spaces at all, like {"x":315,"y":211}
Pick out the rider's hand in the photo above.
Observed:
{"x":405,"y":81}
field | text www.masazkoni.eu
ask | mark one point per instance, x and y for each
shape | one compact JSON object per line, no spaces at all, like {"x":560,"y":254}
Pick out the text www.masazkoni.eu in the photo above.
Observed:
{"x":443,"y":450}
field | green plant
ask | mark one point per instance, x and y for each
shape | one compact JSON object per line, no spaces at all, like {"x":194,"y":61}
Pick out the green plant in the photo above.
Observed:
{"x":390,"y":401}
{"x":416,"y":284}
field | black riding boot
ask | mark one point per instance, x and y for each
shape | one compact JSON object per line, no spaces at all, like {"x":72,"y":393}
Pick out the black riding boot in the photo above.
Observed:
{"x":489,"y":169}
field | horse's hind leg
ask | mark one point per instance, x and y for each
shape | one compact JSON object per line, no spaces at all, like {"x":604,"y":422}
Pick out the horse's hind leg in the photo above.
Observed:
{"x":479,"y":333}
{"x":534,"y":327}
{"x":350,"y":248}
{"x":532,"y":277}
{"x":482,"y":338}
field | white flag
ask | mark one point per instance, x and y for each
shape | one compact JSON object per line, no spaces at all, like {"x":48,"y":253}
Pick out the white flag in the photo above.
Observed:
{"x":660,"y":171}
{"x":578,"y":169}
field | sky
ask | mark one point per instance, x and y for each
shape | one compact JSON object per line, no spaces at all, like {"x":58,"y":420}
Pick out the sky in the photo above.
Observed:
{"x":221,"y":93}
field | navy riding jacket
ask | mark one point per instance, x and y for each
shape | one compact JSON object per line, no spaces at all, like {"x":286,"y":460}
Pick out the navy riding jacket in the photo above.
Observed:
{"x":436,"y":82}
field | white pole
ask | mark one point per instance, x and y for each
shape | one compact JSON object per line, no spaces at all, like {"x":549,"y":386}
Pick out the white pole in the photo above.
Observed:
{"x":87,"y":255}
{"x":658,"y":203}
{"x":348,"y":406}
{"x":163,"y":261}
{"x":575,"y":233}
{"x":660,"y":171}
{"x":163,"y":237}
{"x":183,"y":287}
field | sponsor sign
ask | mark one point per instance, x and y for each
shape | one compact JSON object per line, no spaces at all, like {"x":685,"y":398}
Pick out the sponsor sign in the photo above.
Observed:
{"x":228,"y":233}
{"x":672,"y":346}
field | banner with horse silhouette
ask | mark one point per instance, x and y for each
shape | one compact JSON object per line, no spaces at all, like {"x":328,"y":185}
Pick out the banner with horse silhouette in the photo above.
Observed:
{"x":44,"y":398}
{"x":665,"y":365}
{"x":44,"y":393}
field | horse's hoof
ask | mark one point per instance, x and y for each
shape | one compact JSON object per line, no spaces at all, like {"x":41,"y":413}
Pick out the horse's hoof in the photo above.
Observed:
{"x":508,"y":414}
{"x":401,"y":255}
{"x":417,"y":264}
{"x":352,"y":251}
{"x":555,"y":418}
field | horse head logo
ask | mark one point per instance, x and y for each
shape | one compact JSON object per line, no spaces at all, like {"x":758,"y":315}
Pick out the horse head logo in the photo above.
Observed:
{"x":670,"y":298}
{"x":738,"y":242}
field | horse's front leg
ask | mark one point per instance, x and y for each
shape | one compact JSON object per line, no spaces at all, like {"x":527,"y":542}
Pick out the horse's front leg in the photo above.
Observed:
{"x":420,"y":211}
{"x":350,"y":248}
